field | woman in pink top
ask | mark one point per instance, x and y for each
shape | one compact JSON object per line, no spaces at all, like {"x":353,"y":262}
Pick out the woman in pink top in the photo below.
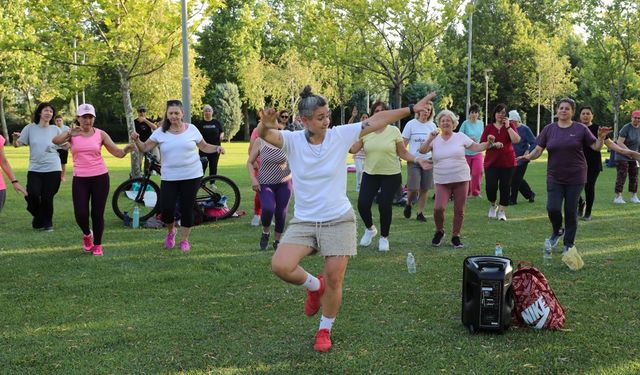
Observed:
{"x":450,"y":172}
{"x":90,"y":175}
{"x":6,"y":167}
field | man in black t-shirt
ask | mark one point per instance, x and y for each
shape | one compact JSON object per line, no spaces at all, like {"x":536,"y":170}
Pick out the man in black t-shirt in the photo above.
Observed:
{"x":144,"y":128}
{"x":213,"y":133}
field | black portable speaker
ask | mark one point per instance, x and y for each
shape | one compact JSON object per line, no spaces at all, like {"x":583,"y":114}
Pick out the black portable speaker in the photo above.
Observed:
{"x":487,"y":299}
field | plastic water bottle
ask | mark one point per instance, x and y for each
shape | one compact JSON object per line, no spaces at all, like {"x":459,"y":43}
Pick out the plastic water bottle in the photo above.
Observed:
{"x":498,"y":252}
{"x":136,"y":217}
{"x":411,"y":263}
{"x":126,"y":219}
{"x":546,"y":255}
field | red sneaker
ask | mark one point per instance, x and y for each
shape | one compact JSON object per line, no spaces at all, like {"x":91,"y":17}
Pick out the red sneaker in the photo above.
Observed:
{"x":312,"y":303}
{"x":323,"y":341}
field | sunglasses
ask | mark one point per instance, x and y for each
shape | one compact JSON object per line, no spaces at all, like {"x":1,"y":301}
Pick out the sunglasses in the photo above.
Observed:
{"x":284,"y":116}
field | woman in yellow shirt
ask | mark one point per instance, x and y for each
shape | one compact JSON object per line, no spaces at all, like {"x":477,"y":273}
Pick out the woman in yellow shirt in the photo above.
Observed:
{"x":382,"y":171}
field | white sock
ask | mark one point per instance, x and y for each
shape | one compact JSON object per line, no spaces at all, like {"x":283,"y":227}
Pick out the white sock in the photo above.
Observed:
{"x":312,"y":283}
{"x":326,"y":323}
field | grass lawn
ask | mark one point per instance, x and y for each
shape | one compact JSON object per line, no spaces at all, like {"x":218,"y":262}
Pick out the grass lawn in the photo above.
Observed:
{"x":218,"y":309}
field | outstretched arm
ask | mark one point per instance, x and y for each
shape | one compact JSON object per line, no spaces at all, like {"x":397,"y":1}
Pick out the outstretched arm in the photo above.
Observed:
{"x":143,"y":147}
{"x":113,"y":148}
{"x":268,"y":127}
{"x":533,"y":155}
{"x":209,"y":148}
{"x":384,"y":118}
{"x":6,"y":167}
{"x":479,"y":147}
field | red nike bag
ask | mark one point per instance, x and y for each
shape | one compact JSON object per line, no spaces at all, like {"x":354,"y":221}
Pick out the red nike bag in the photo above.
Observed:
{"x":535,"y":304}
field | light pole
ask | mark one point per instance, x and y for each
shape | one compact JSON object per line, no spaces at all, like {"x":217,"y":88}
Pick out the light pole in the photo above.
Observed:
{"x":539,"y":99}
{"x":471,"y":3}
{"x":186,"y":92}
{"x":486,"y":95}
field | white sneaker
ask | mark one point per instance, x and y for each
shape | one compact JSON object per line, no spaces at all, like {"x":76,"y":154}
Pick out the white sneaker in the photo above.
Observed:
{"x":619,"y":200}
{"x":368,"y":236}
{"x":501,"y":215}
{"x":383,"y":244}
{"x":634,"y":199}
{"x":256,"y":220}
{"x":492,"y":212}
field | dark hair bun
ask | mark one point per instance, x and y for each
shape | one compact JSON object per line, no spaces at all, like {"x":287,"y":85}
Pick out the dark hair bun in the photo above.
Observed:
{"x":306,"y":92}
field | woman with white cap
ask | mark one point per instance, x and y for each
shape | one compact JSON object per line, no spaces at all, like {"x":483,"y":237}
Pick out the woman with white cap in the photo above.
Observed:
{"x":43,"y":178}
{"x":90,"y":186}
{"x":526,"y":144}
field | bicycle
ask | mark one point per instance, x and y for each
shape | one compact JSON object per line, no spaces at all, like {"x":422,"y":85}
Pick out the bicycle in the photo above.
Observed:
{"x":216,"y":192}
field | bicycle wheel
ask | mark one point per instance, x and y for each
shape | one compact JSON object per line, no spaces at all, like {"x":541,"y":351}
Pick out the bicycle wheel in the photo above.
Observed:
{"x":140,"y":192}
{"x":220,"y":194}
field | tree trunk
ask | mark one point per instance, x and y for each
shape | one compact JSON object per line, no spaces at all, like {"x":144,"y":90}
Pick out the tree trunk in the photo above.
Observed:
{"x":247,"y":126}
{"x":3,"y":120}
{"x":125,"y":89}
{"x":396,"y":97}
{"x":616,"y":99}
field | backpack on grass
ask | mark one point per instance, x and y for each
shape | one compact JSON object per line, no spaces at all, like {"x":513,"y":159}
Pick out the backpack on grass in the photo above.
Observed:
{"x":536,"y":305}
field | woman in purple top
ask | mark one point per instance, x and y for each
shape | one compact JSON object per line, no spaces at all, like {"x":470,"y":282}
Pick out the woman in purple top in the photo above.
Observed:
{"x":566,"y":168}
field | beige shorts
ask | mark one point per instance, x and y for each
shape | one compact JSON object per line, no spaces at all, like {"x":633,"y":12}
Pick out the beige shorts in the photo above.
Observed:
{"x":328,"y":238}
{"x":418,"y":178}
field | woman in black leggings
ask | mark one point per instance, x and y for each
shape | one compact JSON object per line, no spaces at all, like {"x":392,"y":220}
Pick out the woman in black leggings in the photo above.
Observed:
{"x":179,"y":143}
{"x":594,"y":166}
{"x":90,"y":186}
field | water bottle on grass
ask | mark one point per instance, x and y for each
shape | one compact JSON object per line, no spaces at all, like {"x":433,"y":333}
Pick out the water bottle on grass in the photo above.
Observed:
{"x":136,"y":217}
{"x":411,"y":263}
{"x":546,"y":255}
{"x":498,"y":252}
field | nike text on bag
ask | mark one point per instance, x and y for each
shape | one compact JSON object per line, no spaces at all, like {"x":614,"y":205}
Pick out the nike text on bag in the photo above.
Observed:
{"x":536,"y":305}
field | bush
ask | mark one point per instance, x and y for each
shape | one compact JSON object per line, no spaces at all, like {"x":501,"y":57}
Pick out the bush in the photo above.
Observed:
{"x":227,"y":107}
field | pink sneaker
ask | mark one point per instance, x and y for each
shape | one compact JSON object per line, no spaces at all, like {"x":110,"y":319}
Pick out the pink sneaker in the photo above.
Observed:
{"x":170,"y":241}
{"x":97,"y":251}
{"x":87,"y":242}
{"x":184,"y":246}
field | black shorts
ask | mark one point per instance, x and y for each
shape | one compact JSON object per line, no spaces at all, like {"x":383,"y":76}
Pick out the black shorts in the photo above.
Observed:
{"x":64,"y":155}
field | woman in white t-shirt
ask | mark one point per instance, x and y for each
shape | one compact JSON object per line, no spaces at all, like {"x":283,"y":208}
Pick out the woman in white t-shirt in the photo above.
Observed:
{"x":181,"y":169}
{"x":450,"y":172}
{"x":419,"y":180}
{"x":324,"y":221}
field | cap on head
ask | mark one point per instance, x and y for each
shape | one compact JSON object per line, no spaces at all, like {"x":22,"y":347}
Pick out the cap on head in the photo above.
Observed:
{"x":86,"y":109}
{"x":635,"y":113}
{"x":142,"y":108}
{"x":514,"y":116}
